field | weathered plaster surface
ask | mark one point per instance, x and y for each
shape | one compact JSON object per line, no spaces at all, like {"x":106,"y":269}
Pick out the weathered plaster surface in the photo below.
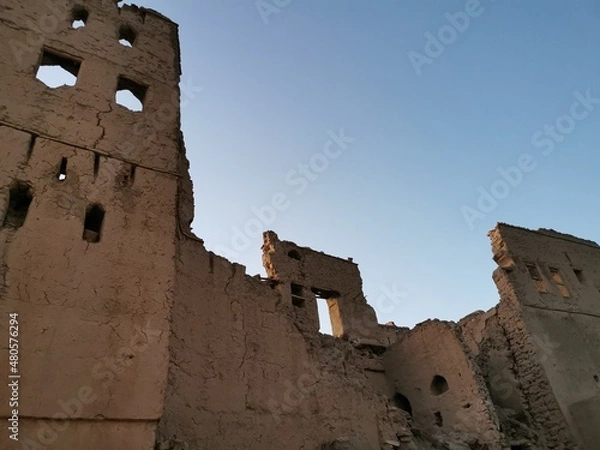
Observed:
{"x":134,"y":336}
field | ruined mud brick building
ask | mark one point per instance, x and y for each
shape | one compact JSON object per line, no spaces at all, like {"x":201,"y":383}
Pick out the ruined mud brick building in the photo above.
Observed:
{"x":134,"y":336}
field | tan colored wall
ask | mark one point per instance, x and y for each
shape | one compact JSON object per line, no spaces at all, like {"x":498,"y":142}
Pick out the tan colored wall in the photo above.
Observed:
{"x":433,"y":349}
{"x":558,"y":322}
{"x":94,"y":317}
{"x":146,"y":331}
{"x":335,"y":279}
{"x":243,"y":375}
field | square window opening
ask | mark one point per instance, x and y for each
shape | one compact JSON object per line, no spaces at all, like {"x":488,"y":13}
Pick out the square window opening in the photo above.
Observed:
{"x":127,"y":36}
{"x":130,"y":94}
{"x":79,"y":16}
{"x":57,"y":71}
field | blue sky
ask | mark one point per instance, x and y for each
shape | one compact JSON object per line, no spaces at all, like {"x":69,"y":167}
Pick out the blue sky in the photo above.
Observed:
{"x":514,"y":87}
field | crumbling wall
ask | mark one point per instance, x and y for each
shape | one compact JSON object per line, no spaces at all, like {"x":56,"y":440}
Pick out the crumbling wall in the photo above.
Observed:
{"x":437,"y":383}
{"x":495,"y":357}
{"x":126,"y":320}
{"x":245,"y":375}
{"x":87,"y":264}
{"x":550,"y":311}
{"x":303,"y":275}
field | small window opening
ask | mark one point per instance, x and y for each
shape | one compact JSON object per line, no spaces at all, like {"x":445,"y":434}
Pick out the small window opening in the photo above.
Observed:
{"x":534,"y":273}
{"x":92,"y":228}
{"x":298,"y":295}
{"x":127,"y":36}
{"x":80,"y":16}
{"x":439,"y":385}
{"x":96,"y":164}
{"x":403,"y":403}
{"x":130,"y":94}
{"x":579,"y":274}
{"x":62,"y":171}
{"x":294,"y":255}
{"x":56,"y":71}
{"x":438,"y":419}
{"x":20,"y":199}
{"x":560,"y":284}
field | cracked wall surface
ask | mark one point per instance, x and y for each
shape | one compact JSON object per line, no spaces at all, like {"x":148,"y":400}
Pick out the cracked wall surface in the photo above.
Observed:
{"x":555,"y":318}
{"x":136,"y":337}
{"x":94,"y":316}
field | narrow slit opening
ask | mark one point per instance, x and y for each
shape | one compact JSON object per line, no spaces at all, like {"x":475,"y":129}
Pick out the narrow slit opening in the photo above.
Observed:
{"x":96,"y":164}
{"x":31,"y":146}
{"x":62,"y":171}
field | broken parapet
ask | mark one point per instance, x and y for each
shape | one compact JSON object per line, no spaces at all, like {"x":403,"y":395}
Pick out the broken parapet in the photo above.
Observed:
{"x":306,"y":276}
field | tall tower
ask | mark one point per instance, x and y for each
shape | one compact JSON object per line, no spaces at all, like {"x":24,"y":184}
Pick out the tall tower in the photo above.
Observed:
{"x":88,"y":198}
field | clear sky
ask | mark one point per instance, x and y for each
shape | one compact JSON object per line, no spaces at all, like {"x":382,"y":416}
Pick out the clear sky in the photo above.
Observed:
{"x":428,"y":121}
